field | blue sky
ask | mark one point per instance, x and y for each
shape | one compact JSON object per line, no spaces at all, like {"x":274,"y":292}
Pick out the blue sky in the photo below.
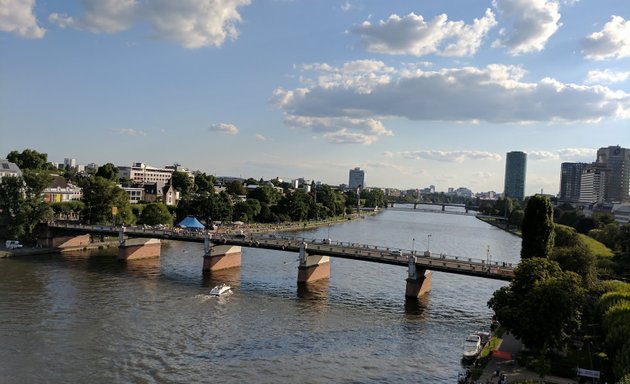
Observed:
{"x":414,"y":92}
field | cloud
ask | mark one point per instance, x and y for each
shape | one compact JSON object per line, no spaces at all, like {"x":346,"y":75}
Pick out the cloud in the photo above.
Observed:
{"x":533,"y":22}
{"x":450,"y":156}
{"x":542,"y":155}
{"x":16,"y":16}
{"x":229,"y":129}
{"x":101,"y":16}
{"x":412,"y":35}
{"x":348,"y":104}
{"x":612,"y":42}
{"x":606,"y":77}
{"x":130,"y":132}
{"x":566,"y":154}
{"x":261,"y":137}
{"x":190,"y":23}
{"x":587,"y":154}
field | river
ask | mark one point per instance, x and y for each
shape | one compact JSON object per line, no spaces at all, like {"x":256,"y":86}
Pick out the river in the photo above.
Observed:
{"x":84,"y":317}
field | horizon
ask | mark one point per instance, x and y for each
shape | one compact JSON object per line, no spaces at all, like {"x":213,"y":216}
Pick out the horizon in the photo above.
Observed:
{"x":414,"y":94}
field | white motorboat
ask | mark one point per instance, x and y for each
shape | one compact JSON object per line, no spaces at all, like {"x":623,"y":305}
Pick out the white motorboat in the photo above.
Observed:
{"x":472,"y":347}
{"x":220,"y":289}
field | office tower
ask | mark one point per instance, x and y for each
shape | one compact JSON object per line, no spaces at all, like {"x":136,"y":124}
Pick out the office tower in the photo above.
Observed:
{"x":515,"y":169}
{"x":616,"y":161}
{"x":356,"y":179}
{"x":570,"y":181}
{"x":592,"y":184}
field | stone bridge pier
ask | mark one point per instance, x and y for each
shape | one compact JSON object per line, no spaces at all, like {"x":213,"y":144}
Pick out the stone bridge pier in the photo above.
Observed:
{"x":134,"y":249}
{"x":418,"y":279}
{"x":312,"y":267}
{"x":218,"y":256}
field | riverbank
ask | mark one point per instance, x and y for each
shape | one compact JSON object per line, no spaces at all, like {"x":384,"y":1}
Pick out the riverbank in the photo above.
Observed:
{"x":501,"y":225}
{"x":31,"y":251}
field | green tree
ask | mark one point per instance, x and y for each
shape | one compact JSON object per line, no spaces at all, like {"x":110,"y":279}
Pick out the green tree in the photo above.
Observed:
{"x":204,"y":183}
{"x":235,"y":188}
{"x":156,"y":213}
{"x":100,"y":195}
{"x":265,"y":194}
{"x":182,"y":182}
{"x":22,"y":205}
{"x":108,"y":172}
{"x":374,"y":198}
{"x":543,"y":304}
{"x":29,"y":159}
{"x":537,"y":228}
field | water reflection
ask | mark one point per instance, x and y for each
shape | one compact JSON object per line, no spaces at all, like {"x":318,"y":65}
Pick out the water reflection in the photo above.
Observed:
{"x":416,"y":307}
{"x":313,"y":292}
{"x":149,"y":268}
{"x":231,"y":277}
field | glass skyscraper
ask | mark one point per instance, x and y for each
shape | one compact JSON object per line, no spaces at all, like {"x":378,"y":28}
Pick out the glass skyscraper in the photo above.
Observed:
{"x":515,"y":169}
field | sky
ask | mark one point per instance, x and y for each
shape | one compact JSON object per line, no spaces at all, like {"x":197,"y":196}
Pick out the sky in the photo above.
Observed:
{"x":416,"y":93}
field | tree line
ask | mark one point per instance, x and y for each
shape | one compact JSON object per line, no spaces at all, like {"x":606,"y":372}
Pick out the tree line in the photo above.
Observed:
{"x":105,"y":202}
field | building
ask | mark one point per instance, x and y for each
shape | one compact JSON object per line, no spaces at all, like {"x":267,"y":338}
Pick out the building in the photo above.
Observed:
{"x":616,"y":161}
{"x":570,"y":181}
{"x":592,"y":184}
{"x":142,"y":173}
{"x":8,"y":168}
{"x":69,"y":163}
{"x":135,"y":194}
{"x":356,"y":178}
{"x":515,"y":170}
{"x":61,"y":191}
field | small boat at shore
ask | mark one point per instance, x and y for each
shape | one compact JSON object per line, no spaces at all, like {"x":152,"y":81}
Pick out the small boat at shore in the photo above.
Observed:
{"x":220,"y":290}
{"x":472,"y":347}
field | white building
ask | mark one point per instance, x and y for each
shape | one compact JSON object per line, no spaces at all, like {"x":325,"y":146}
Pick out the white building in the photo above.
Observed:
{"x":356,"y":178}
{"x":142,"y":173}
{"x":61,"y":191}
{"x":592,"y":185}
{"x":8,"y":168}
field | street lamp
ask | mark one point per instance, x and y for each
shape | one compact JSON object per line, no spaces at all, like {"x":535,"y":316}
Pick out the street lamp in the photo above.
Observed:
{"x":429,"y":242}
{"x":413,"y":246}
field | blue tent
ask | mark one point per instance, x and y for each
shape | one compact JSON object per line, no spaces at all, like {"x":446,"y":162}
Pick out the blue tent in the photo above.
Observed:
{"x":191,"y":222}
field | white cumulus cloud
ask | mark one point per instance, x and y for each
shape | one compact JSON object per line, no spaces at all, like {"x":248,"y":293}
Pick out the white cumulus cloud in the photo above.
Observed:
{"x":190,"y":23}
{"x":261,"y":137}
{"x":229,"y":129}
{"x":16,"y":16}
{"x":412,"y":35}
{"x":450,"y":156}
{"x":612,"y":42}
{"x":353,"y":111}
{"x":130,"y":132}
{"x":532,"y":23}
{"x":606,"y":77}
{"x":575,"y":154}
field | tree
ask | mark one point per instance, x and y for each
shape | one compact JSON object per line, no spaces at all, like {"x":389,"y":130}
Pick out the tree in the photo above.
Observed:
{"x":537,"y":228}
{"x":204,"y":183}
{"x":22,"y":205}
{"x":100,"y":195}
{"x":265,"y":194}
{"x":235,"y":188}
{"x":543,"y":304}
{"x":156,"y":213}
{"x":29,"y":159}
{"x":108,"y":172}
{"x":182,"y":182}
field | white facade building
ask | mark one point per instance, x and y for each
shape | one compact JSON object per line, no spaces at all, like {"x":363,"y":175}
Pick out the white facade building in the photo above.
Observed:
{"x":356,"y":179}
{"x":8,"y":168}
{"x":142,"y":173}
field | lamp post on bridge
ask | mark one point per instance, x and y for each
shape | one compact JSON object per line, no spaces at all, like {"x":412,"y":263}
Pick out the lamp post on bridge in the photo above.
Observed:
{"x":413,"y":246}
{"x":429,"y":242}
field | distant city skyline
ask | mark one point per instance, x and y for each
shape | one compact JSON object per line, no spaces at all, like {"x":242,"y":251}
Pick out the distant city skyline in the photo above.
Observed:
{"x":415,"y":93}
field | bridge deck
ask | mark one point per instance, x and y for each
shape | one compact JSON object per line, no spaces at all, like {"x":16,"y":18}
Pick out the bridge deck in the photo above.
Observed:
{"x":324,"y":247}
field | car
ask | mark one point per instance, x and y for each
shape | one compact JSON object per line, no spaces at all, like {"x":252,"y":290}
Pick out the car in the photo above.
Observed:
{"x":12,"y":244}
{"x":396,"y":253}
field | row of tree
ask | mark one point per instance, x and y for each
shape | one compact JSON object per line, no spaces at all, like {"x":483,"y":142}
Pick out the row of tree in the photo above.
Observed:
{"x":22,"y":205}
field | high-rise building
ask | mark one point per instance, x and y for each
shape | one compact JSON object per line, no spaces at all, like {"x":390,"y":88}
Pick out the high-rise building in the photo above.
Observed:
{"x":616,"y":161}
{"x":515,"y":169}
{"x":570,"y":181}
{"x":356,"y":179}
{"x":592,"y":184}
{"x":69,"y":163}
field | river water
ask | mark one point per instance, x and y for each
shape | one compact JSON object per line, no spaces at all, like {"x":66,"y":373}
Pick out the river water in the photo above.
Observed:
{"x":84,"y":317}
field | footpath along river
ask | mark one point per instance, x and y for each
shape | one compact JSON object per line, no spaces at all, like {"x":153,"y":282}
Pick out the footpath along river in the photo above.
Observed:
{"x":85,"y":318}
